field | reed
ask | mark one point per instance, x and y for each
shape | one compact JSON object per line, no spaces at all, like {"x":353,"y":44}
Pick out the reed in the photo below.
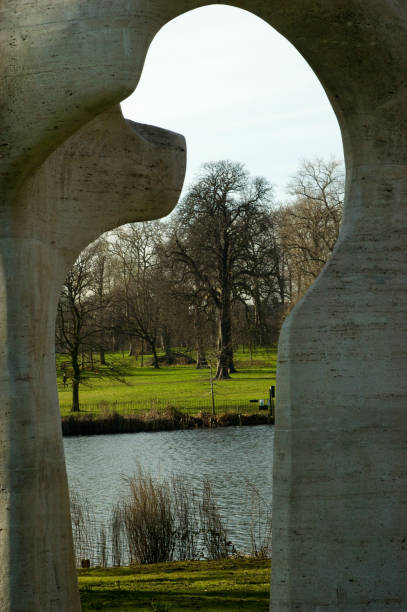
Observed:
{"x":163,"y":520}
{"x":148,"y":517}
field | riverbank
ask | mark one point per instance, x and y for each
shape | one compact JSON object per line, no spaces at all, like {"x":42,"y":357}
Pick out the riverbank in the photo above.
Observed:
{"x":85,"y":424}
{"x":229,"y":585}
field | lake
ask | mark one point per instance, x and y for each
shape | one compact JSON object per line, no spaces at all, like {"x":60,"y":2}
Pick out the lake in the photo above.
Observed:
{"x":235,"y":459}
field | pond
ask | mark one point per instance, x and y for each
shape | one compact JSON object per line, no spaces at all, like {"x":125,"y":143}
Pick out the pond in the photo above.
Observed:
{"x":236,"y":460}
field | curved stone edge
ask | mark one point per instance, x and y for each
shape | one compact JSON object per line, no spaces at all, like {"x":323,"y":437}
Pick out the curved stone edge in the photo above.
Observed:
{"x":109,"y":173}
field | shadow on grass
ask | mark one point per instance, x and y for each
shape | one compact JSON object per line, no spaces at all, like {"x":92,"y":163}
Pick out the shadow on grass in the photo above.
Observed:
{"x":218,"y":601}
{"x":223,"y":586}
{"x":253,"y":378}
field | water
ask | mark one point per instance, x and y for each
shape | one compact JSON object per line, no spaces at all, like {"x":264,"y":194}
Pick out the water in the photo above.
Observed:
{"x":234,"y":458}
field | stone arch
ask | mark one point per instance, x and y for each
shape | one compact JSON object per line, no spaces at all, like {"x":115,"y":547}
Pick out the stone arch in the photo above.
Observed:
{"x":340,"y":494}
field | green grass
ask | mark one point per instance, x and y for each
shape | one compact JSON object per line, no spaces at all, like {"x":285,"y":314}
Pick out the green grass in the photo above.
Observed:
{"x":231,"y":585}
{"x":123,"y":380}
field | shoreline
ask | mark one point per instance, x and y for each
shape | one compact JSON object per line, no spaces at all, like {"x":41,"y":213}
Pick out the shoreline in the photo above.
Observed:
{"x":85,"y":424}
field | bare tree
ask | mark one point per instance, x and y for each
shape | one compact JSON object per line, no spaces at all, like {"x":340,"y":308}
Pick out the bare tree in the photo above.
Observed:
{"x":261,"y":287}
{"x":310,"y":223}
{"x":138,"y":282}
{"x":214,"y":227}
{"x":191,"y":309}
{"x":100,"y":279}
{"x":75,"y":316}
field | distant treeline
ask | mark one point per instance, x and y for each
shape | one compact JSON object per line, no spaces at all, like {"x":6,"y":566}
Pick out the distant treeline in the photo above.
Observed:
{"x":223,"y":270}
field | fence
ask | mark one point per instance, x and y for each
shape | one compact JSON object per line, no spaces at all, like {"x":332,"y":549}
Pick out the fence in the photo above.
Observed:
{"x":188,"y":406}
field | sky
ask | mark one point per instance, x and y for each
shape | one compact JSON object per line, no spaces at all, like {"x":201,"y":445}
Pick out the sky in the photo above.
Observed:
{"x":236,"y":89}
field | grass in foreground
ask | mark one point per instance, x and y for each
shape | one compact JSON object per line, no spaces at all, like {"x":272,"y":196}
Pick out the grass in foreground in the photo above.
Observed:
{"x":229,"y":585}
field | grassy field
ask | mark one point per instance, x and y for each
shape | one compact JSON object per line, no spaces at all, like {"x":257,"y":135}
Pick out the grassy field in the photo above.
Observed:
{"x":123,"y":380}
{"x":222,"y":586}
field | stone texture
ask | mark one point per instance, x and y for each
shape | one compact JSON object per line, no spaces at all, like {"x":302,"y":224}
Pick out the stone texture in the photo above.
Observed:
{"x":108,"y":173}
{"x":70,"y":168}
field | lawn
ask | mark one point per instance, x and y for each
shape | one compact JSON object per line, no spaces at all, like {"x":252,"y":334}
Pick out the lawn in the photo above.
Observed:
{"x":124,"y":380}
{"x":230,"y":585}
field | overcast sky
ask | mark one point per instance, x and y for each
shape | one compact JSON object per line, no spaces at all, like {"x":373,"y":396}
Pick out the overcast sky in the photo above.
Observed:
{"x":236,"y":90}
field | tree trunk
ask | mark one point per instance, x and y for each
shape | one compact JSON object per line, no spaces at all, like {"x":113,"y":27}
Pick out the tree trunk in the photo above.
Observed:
{"x":102,"y":356}
{"x":258,"y":318}
{"x":76,"y":379}
{"x":232,"y":369}
{"x":201,"y":361}
{"x":101,"y":280}
{"x":225,"y":355}
{"x":155,"y":356}
{"x":166,"y":345}
{"x":115,"y":342}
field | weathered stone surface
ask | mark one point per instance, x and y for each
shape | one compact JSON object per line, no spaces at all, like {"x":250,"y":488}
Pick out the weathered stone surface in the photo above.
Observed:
{"x":70,"y":168}
{"x":108,"y":173}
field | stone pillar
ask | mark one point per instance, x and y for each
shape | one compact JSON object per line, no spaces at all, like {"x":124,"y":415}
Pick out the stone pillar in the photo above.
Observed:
{"x":71,"y":168}
{"x":340,"y":469}
{"x":106,"y":174}
{"x":36,"y":563}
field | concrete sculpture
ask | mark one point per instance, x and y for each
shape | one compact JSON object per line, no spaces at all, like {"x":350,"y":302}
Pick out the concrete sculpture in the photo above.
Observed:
{"x":71,"y":168}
